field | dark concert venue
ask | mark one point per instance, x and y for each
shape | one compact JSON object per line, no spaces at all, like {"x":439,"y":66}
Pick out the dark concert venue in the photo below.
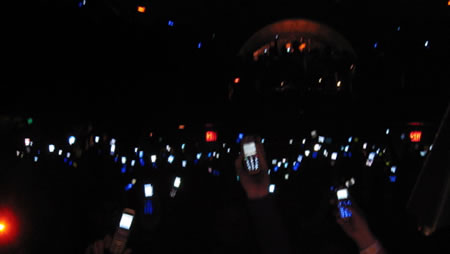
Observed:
{"x":151,"y":126}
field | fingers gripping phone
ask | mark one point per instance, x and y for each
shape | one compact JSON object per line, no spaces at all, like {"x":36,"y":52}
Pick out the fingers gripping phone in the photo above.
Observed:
{"x":121,"y":235}
{"x":251,"y":161}
{"x":344,"y":203}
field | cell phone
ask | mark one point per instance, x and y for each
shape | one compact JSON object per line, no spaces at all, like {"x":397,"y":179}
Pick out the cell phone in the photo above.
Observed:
{"x":148,"y":190}
{"x":251,"y":161}
{"x":344,"y":203}
{"x":120,"y":238}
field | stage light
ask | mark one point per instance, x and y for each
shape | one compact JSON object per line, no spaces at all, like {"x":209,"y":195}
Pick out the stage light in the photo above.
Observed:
{"x":302,"y":46}
{"x":124,"y":159}
{"x":388,"y":131}
{"x":141,"y":9}
{"x":237,"y":80}
{"x":2,"y":227}
{"x":133,"y":181}
{"x":60,"y":152}
{"x":181,"y":127}
{"x":415,"y":136}
{"x":27,"y":142}
{"x":272,"y":188}
{"x":286,"y":176}
{"x":112,"y":142}
{"x":183,"y":163}
{"x":97,"y":139}
{"x":427,"y":44}
{"x":375,"y":45}
{"x":338,"y":84}
{"x":183,"y":146}
{"x":51,"y":148}
{"x":171,"y":23}
{"x":30,"y":121}
{"x":199,"y":45}
{"x":274,"y":161}
{"x":291,"y":141}
{"x":398,"y":29}
{"x":141,"y":154}
{"x":171,"y":158}
{"x":133,"y":162}
{"x":72,"y":140}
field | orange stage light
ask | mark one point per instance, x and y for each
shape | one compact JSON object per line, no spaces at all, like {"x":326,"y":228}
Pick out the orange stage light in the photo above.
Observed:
{"x":141,"y":9}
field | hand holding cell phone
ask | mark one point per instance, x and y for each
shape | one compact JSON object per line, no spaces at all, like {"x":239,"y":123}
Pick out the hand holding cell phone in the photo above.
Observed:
{"x":251,"y":167}
{"x":122,"y":232}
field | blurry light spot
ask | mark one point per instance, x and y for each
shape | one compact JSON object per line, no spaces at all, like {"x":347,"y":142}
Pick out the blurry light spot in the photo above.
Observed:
{"x":338,"y":84}
{"x":321,"y":139}
{"x":199,"y":45}
{"x":171,"y":23}
{"x":72,"y":140}
{"x":51,"y":148}
{"x":398,"y":28}
{"x":237,"y":80}
{"x":427,"y":44}
{"x":184,"y":163}
{"x":307,"y":152}
{"x":320,"y":80}
{"x":97,"y":139}
{"x":170,"y":159}
{"x":272,"y":188}
{"x":375,"y":45}
{"x":302,"y":46}
{"x":124,"y":159}
{"x":133,"y":181}
{"x":393,"y":169}
{"x":153,"y":158}
{"x":141,"y":9}
{"x":27,"y":142}
{"x":35,"y":158}
{"x":177,"y":182}
{"x":334,"y":156}
{"x":291,"y":141}
{"x":181,"y":127}
{"x":60,"y":152}
{"x":317,"y":147}
{"x":388,"y":131}
{"x":286,"y":176}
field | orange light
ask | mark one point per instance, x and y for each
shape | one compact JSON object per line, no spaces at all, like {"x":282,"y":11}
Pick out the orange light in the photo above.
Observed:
{"x":181,"y":127}
{"x":237,"y":80}
{"x":415,"y":136}
{"x":211,"y":136}
{"x":302,"y":46}
{"x":2,"y":227}
{"x":448,"y":3}
{"x":141,"y":9}
{"x":151,"y":134}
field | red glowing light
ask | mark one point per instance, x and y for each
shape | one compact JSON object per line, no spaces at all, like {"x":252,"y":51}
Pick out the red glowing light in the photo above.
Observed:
{"x":237,"y":80}
{"x":141,"y":9}
{"x":415,"y":136}
{"x":211,"y":136}
{"x":8,"y":226}
{"x":181,"y":127}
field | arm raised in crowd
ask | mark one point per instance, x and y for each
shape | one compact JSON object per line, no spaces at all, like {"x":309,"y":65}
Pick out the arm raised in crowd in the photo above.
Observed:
{"x":102,"y":246}
{"x":357,"y":228}
{"x":263,"y":212}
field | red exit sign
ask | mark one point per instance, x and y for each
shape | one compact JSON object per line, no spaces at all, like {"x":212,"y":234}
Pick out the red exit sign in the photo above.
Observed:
{"x":415,"y":136}
{"x":211,"y":136}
